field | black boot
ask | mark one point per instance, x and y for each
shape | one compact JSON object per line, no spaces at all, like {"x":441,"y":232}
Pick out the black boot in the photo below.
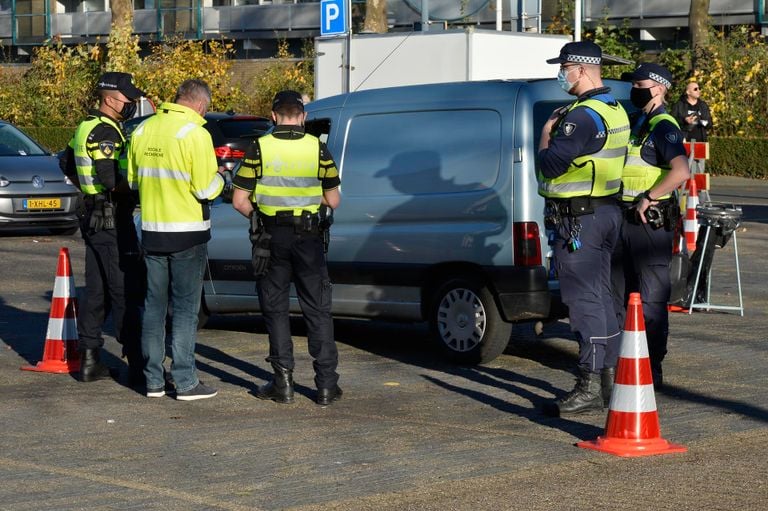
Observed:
{"x":91,"y":369}
{"x":607,"y":377}
{"x":586,"y":396}
{"x":328,"y":396}
{"x":280,"y":389}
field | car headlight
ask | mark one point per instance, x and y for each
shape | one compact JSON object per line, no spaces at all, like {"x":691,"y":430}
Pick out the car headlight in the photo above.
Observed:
{"x":4,"y":182}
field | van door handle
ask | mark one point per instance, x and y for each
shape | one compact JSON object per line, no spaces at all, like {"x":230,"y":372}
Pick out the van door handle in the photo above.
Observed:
{"x":517,"y":154}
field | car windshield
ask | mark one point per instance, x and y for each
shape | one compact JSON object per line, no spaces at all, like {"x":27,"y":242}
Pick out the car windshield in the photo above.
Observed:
{"x":15,"y":143}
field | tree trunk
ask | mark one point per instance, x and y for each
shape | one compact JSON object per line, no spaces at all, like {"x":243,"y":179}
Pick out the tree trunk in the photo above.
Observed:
{"x":698,"y":24}
{"x":375,"y":16}
{"x":122,"y":14}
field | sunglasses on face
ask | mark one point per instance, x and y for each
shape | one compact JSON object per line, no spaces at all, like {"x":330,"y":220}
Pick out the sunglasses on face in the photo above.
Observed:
{"x":695,"y":88}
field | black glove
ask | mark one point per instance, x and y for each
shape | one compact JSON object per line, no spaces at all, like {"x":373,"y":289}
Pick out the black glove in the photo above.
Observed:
{"x":260,"y":253}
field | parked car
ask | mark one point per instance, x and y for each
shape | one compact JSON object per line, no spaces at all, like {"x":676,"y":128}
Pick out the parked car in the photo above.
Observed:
{"x":231,"y":133}
{"x":33,"y":190}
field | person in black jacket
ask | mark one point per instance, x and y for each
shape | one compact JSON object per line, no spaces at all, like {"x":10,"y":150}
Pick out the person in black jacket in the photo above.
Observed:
{"x":692,"y":114}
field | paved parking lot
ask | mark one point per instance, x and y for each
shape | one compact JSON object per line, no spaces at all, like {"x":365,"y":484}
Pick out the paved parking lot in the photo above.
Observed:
{"x":410,"y":432}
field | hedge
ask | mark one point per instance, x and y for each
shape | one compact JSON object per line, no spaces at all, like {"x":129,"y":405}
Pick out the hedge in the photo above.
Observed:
{"x":53,"y":139}
{"x":729,"y":156}
{"x":738,"y":156}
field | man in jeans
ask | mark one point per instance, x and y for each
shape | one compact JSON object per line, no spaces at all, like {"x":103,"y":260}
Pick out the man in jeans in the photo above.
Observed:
{"x":172,"y":164}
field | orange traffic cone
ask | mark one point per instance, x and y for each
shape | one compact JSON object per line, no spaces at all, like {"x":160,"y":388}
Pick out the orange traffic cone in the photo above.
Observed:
{"x":632,"y":427}
{"x":60,"y":352}
{"x":691,"y":224}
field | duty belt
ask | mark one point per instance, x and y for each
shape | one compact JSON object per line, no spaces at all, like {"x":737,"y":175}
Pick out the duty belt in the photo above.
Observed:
{"x":305,"y":222}
{"x":578,"y":206}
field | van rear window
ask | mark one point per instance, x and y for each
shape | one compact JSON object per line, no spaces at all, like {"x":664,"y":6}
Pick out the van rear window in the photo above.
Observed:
{"x":425,"y":152}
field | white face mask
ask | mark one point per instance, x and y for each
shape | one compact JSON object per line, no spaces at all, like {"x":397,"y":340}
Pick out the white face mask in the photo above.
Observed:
{"x":562,"y":79}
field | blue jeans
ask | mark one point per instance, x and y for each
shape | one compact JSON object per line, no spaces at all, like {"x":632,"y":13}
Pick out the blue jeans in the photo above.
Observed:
{"x":181,"y":273}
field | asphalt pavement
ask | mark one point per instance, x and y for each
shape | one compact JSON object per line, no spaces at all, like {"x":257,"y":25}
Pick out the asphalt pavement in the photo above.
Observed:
{"x":411,"y":432}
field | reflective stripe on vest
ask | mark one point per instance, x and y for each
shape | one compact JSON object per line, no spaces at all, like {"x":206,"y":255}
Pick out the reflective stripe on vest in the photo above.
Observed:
{"x":289,"y":175}
{"x":90,"y":183}
{"x":639,"y":175}
{"x":597,"y":174}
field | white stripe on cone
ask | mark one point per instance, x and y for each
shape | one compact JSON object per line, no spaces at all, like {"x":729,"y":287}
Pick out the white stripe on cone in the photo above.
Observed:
{"x":633,"y":345}
{"x":61,"y":329}
{"x":632,"y":398}
{"x":63,"y":287}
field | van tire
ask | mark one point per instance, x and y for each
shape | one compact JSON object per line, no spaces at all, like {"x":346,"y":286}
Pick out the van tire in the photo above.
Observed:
{"x":466,"y":324}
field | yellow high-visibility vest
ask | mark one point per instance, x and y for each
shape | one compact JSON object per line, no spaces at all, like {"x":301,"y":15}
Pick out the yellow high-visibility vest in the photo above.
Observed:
{"x":171,"y":162}
{"x":597,"y":174}
{"x":639,"y":175}
{"x":86,"y":152}
{"x":290,"y":179}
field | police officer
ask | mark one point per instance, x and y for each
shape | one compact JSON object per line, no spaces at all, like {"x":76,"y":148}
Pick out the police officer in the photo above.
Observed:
{"x":173,"y":165}
{"x":285,"y":179}
{"x":112,"y":263}
{"x":581,"y":154}
{"x":656,"y":166}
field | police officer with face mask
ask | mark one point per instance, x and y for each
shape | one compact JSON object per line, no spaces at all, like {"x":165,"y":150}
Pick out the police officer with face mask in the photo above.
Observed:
{"x":113,"y":268}
{"x":581,"y":154}
{"x":656,"y":166}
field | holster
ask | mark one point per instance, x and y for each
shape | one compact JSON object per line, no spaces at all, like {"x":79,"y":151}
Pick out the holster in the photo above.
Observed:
{"x":325,"y":215}
{"x":260,"y":245}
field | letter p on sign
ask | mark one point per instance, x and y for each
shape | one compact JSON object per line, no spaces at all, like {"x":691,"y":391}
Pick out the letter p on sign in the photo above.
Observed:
{"x":333,"y":19}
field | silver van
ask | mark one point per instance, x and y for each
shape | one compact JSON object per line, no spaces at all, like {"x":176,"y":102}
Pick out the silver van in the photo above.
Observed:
{"x":440,"y":219}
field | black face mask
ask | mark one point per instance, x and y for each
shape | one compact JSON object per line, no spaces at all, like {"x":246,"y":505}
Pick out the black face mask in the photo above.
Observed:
{"x":128,"y":110}
{"x":640,"y":97}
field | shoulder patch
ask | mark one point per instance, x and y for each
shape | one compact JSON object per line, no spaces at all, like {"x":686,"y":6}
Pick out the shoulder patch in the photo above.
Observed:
{"x":569,"y":128}
{"x":672,"y":137}
{"x":107,"y":147}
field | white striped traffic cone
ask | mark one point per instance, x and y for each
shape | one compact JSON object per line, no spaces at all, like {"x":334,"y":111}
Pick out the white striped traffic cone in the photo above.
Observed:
{"x":691,"y":224}
{"x":632,"y":427}
{"x":60,"y":352}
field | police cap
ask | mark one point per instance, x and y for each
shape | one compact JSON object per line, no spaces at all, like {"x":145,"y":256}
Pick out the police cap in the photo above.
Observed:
{"x":579,"y":52}
{"x":650,"y":71}
{"x":121,"y":82}
{"x":287,"y":98}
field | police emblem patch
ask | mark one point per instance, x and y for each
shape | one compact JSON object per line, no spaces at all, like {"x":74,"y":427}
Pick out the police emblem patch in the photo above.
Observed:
{"x":568,"y":128}
{"x":672,"y":137}
{"x":107,"y":147}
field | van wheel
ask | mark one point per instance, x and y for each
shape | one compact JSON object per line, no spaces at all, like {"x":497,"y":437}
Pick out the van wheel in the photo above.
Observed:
{"x":466,"y":324}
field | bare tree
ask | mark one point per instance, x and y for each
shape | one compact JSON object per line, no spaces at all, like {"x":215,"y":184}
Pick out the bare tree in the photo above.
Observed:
{"x":375,"y":16}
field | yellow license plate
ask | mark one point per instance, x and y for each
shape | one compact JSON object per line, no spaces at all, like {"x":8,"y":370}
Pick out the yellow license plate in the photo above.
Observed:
{"x":42,"y":203}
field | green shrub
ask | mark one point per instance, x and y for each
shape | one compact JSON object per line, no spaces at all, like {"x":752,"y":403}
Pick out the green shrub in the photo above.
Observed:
{"x":738,"y":156}
{"x":52,"y":138}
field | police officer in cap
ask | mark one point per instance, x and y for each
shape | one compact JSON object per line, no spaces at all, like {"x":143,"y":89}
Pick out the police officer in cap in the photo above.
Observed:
{"x":656,"y":166}
{"x":112,"y":264}
{"x":581,"y":155}
{"x":286,"y":178}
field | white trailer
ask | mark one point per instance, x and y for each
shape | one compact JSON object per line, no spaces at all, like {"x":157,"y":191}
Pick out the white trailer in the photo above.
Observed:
{"x":399,"y":58}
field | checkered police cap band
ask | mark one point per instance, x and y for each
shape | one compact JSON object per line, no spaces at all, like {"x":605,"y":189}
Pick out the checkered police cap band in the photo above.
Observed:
{"x":582,"y":59}
{"x":660,"y":79}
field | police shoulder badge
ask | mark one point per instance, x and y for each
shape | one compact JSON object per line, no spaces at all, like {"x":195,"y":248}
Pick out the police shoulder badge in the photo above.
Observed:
{"x":568,"y":128}
{"x":107,"y":147}
{"x":672,"y":137}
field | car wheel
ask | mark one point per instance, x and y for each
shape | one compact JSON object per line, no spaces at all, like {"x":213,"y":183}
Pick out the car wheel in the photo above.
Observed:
{"x":466,"y":324}
{"x":64,"y":231}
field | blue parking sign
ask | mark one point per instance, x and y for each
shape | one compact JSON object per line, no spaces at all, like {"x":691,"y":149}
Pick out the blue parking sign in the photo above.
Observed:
{"x":333,"y":17}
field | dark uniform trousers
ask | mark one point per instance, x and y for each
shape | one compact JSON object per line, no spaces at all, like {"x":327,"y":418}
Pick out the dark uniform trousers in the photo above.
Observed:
{"x":299,"y":256}
{"x":585,"y":285}
{"x":641,"y":264}
{"x":114,"y":281}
